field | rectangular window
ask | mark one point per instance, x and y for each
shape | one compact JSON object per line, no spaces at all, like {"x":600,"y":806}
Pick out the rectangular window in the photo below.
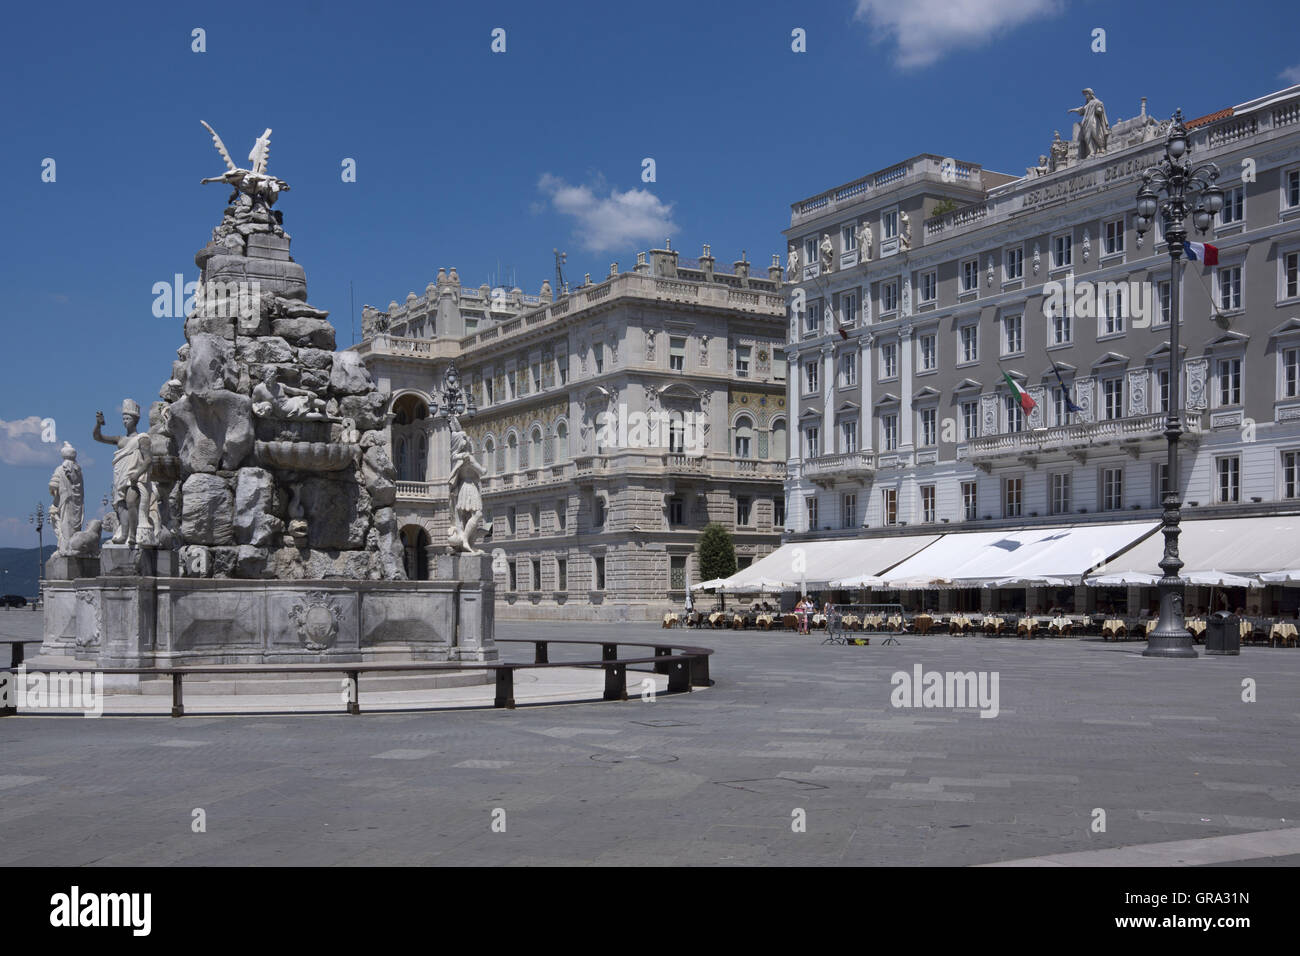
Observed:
{"x":1229,"y":283}
{"x":927,"y":504}
{"x":810,"y":368}
{"x":929,"y":427}
{"x":1162,"y":484}
{"x":1061,"y":405}
{"x":537,"y":574}
{"x":561,"y":574}
{"x":676,"y":511}
{"x":1012,"y":497}
{"x":889,"y":224}
{"x":1015,"y":415}
{"x":512,"y":518}
{"x":598,"y":357}
{"x":744,"y":505}
{"x":1234,"y":206}
{"x":1291,"y":474}
{"x":1291,"y":275}
{"x":1112,"y":489}
{"x":488,"y":391}
{"x":811,"y":442}
{"x":1111,"y":309}
{"x":536,"y":383}
{"x":1014,"y":264}
{"x":1165,"y":295}
{"x":1112,"y":398}
{"x":849,"y":309}
{"x":742,"y":361}
{"x":810,"y":503}
{"x":562,"y":368}
{"x":889,"y":505}
{"x":889,"y":296}
{"x":929,"y":286}
{"x":849,"y":436}
{"x":969,"y":501}
{"x":676,"y":354}
{"x":1229,"y":381}
{"x":970,"y":275}
{"x":677,"y":572}
{"x":1062,"y":251}
{"x":970,"y":343}
{"x":970,"y":420}
{"x":778,"y":367}
{"x":514,"y":576}
{"x":929,"y":353}
{"x":1113,"y":238}
{"x":1062,"y":326}
{"x":1229,"y":474}
{"x":813,"y":319}
{"x":600,"y":574}
{"x":562,"y":514}
{"x":848,"y":369}
{"x":888,"y":361}
{"x":849,"y":511}
{"x":1060,"y":493}
{"x":1162,"y":380}
{"x":889,"y":432}
{"x":1290,"y":373}
{"x":778,"y":512}
{"x":848,"y":238}
{"x":512,"y":389}
{"x":535,"y":519}
{"x":1013,"y":334}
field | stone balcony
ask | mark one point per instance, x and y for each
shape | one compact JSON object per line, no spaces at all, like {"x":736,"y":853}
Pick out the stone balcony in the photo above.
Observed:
{"x":421,"y":490}
{"x":1134,"y":435}
{"x":851,"y":466}
{"x":399,"y":346}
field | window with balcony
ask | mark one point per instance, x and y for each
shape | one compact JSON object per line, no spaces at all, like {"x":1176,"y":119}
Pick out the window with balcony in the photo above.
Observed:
{"x":1228,"y":373}
{"x":1112,"y":238}
{"x":810,"y":506}
{"x":676,"y":434}
{"x":1162,"y":389}
{"x":849,"y":511}
{"x":1234,"y":206}
{"x":811,"y":442}
{"x":928,"y":419}
{"x":1112,"y":398}
{"x":1291,"y":474}
{"x":1062,"y":251}
{"x":849,"y":436}
{"x":1227,"y":280}
{"x":1013,"y":490}
{"x":848,"y":369}
{"x":929,"y":286}
{"x":744,"y":509}
{"x":1013,"y":334}
{"x":928,"y":352}
{"x":889,"y":361}
{"x":968,"y":349}
{"x":1290,"y":378}
{"x":1112,"y":489}
{"x":927,"y":504}
{"x":1015,"y":414}
{"x":889,"y":432}
{"x":849,"y":309}
{"x":1013,"y":264}
{"x":889,"y":297}
{"x":810,"y":372}
{"x":1059,"y":499}
{"x":744,"y":437}
{"x":1061,"y":414}
{"x":970,"y":275}
{"x":742,"y":360}
{"x":676,"y":354}
{"x":969,"y":501}
{"x":970,"y":420}
{"x":889,"y":505}
{"x":1228,"y":472}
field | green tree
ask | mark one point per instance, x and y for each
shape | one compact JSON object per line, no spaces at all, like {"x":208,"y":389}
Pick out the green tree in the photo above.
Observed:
{"x":717,"y":553}
{"x":943,"y":206}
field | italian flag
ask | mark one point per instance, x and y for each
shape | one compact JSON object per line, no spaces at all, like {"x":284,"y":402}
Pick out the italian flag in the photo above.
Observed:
{"x":1020,"y":394}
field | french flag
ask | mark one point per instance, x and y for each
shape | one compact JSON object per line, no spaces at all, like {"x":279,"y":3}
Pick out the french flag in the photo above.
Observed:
{"x":1202,"y":252}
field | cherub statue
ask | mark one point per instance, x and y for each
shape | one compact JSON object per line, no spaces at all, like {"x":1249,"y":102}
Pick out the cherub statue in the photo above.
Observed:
{"x":254,"y":183}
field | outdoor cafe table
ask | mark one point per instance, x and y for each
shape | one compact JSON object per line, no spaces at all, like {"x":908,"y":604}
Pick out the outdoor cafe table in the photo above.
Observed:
{"x":1283,"y":631}
{"x":993,"y":625}
{"x":764,"y":621}
{"x":873,"y":620}
{"x":1112,"y":626}
{"x":1195,"y":625}
{"x":923,"y":623}
{"x":1060,"y":625}
{"x":895,"y":622}
{"x":959,"y":622}
{"x":1028,"y":625}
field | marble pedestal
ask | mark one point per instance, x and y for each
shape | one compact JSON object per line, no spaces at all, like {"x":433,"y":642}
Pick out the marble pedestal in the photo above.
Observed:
{"x":69,"y":567}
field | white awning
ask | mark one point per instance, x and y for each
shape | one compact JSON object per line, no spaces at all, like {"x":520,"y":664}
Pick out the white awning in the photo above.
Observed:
{"x":1225,"y":552}
{"x":1058,"y":556}
{"x":817,"y":563}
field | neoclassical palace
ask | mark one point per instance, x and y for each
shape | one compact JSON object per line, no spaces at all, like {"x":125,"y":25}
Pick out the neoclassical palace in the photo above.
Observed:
{"x":613,"y":423}
{"x":913,"y":289}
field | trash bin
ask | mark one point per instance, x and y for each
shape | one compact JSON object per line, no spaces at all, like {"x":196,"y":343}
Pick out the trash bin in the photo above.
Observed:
{"x":1222,"y":634}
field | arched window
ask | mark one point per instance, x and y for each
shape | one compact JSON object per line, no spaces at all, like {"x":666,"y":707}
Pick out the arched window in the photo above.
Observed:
{"x":401,"y":459}
{"x":512,"y":453}
{"x":779,"y":446}
{"x":419,"y":466}
{"x":744,"y":437}
{"x":535,"y":448}
{"x":676,"y":432}
{"x":489,"y":456}
{"x":561,"y":442}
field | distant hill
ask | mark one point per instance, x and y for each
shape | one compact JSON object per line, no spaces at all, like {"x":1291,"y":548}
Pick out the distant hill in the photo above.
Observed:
{"x":18,"y":570}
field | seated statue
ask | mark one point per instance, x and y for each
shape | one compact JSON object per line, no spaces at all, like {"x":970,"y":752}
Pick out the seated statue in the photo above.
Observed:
{"x":273,"y":399}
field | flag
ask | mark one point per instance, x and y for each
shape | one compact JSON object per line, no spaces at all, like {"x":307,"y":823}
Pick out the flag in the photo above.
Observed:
{"x":843,"y":334}
{"x":1069,"y":402}
{"x":1020,"y":394}
{"x":1202,"y":252}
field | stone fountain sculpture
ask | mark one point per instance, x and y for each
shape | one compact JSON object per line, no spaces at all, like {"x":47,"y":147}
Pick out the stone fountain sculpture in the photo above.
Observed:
{"x":263,"y":483}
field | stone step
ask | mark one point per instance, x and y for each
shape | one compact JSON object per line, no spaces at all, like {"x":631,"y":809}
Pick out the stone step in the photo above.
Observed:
{"x":273,"y":684}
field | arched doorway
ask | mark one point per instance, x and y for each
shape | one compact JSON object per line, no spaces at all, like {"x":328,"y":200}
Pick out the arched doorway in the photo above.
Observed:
{"x":415,"y":552}
{"x":410,"y":437}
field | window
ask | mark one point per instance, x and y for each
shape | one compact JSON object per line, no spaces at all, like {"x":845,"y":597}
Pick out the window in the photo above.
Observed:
{"x":969,"y":343}
{"x":676,"y":354}
{"x":742,"y":361}
{"x":1234,"y":206}
{"x":1164,"y":294}
{"x":1112,"y":398}
{"x":512,"y":519}
{"x":1110,"y":308}
{"x":811,"y":443}
{"x":561,"y":574}
{"x":1061,"y":405}
{"x":1162,"y":483}
{"x":676,"y":434}
{"x":927,"y":504}
{"x":744,"y":437}
{"x":600,"y":573}
{"x":488,"y":390}
{"x":1290,"y":373}
{"x":562,"y":368}
{"x":849,"y":436}
{"x":778,"y":512}
{"x":889,"y":505}
{"x":535,"y":519}
{"x":849,"y":511}
{"x":812,"y":320}
{"x":676,"y":511}
{"x":1012,"y":496}
{"x":929,"y":427}
{"x":810,"y":376}
{"x":512,"y":385}
{"x":810,"y":255}
{"x":1228,"y":470}
{"x":1291,"y":189}
{"x":1228,"y":280}
{"x":848,"y":369}
{"x":848,"y":238}
{"x":889,"y":296}
{"x":561,"y":442}
{"x":1014,"y":263}
{"x":536,"y":383}
{"x":1060,"y":493}
{"x":1062,"y":330}
{"x":1290,"y":275}
{"x":1013,"y":334}
{"x":929,"y":286}
{"x":969,"y":501}
{"x":970,"y":420}
{"x":810,"y":503}
{"x":1112,"y":489}
{"x":744,"y":506}
{"x":1291,"y":474}
{"x":888,"y":360}
{"x":889,"y":432}
{"x":599,"y":517}
{"x":537,"y":574}
{"x":1229,"y":374}
{"x":598,"y":357}
{"x":889,"y":223}
{"x":929,"y":353}
{"x":1015,"y":415}
{"x":849,"y":309}
{"x":1112,"y":239}
{"x":514,"y":576}
{"x":562,"y":514}
{"x":1162,"y":382}
{"x":970,"y":275}
{"x":778,"y":366}
{"x":1062,"y":251}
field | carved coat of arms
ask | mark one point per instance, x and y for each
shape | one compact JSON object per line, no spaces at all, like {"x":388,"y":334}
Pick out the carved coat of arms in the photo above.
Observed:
{"x":317,"y":618}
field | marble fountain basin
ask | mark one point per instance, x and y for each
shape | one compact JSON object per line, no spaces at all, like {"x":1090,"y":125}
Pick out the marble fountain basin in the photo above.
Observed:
{"x":306,"y":455}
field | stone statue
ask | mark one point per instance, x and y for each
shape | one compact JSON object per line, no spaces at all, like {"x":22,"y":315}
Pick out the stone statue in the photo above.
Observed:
{"x":1094,"y":130}
{"x":1059,"y":153}
{"x":827,"y":252}
{"x":1041,"y":169}
{"x":272,"y":399}
{"x":864,"y":241}
{"x":253,"y":183}
{"x":792,"y":263}
{"x":905,"y":230}
{"x":464,"y":493}
{"x":68,"y":492}
{"x":131,"y":489}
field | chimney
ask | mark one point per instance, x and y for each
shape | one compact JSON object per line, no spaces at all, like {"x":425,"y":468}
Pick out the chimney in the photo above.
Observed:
{"x":774,"y":271}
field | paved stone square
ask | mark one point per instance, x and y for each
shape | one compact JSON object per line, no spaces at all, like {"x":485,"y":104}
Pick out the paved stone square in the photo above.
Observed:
{"x":1167,"y":749}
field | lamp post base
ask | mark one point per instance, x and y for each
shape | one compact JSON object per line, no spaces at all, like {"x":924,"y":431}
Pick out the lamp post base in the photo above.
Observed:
{"x":1175,"y":644}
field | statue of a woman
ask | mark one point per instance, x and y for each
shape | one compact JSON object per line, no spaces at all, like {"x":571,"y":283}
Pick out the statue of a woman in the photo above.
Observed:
{"x":464,"y":493}
{"x":68,"y":492}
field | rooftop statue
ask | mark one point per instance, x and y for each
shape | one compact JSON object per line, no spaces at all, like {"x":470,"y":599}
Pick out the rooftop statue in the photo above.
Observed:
{"x":254,"y":183}
{"x":1094,"y":129}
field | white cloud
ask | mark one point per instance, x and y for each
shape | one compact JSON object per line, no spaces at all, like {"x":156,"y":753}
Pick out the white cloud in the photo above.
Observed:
{"x":926,"y":30}
{"x":609,"y":222}
{"x":1291,"y":75}
{"x":20,"y":443}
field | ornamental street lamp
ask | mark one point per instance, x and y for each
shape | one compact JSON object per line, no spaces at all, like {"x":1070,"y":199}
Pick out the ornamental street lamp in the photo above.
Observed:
{"x":38,"y":518}
{"x":456,"y":400}
{"x":1174,"y":189}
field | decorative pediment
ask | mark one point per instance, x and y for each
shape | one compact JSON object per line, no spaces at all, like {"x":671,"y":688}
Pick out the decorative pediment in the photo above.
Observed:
{"x":810,"y":413}
{"x":1228,"y":340}
{"x":1290,"y":327}
{"x":1110,"y":358}
{"x":848,"y":406}
{"x":1163,"y":349}
{"x":922,"y":394}
{"x":967,"y":385}
{"x":1065,"y":368}
{"x":888,"y":398}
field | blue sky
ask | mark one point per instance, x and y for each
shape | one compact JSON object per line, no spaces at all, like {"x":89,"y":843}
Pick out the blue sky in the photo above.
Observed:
{"x":472,"y":158}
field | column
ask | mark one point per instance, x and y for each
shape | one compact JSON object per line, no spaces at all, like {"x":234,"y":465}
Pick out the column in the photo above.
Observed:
{"x":905,"y":333}
{"x":867,"y":421}
{"x":828,"y":399}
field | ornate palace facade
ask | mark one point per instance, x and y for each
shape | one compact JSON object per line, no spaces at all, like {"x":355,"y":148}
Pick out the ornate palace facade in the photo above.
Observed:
{"x":613,"y":423}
